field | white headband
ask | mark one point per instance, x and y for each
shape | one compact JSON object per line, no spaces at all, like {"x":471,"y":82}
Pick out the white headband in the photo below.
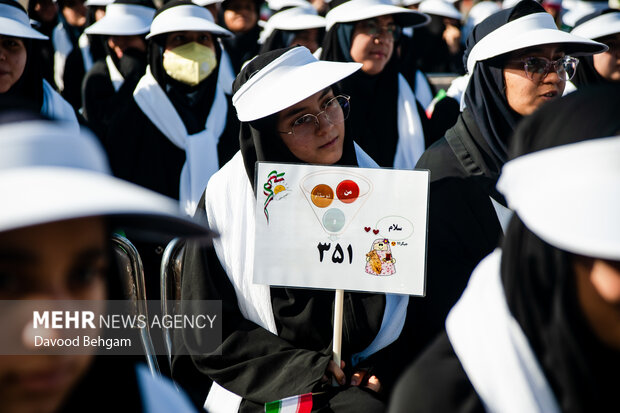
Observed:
{"x":123,"y":20}
{"x":600,"y":26}
{"x":528,"y":31}
{"x":186,"y":17}
{"x":569,"y":195}
{"x":14,"y":22}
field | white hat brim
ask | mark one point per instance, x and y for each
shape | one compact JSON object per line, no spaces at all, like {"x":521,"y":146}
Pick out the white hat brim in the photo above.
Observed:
{"x":530,"y":31}
{"x":600,"y":26}
{"x":571,"y":208}
{"x":15,"y":23}
{"x":186,"y":18}
{"x":357,"y":10}
{"x":123,"y":20}
{"x":293,"y":77}
{"x":440,"y":8}
{"x":42,"y":195}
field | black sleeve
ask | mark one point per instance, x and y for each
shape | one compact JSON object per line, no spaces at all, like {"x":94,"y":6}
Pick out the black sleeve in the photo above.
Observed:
{"x":251,"y":361}
{"x":435,"y":383}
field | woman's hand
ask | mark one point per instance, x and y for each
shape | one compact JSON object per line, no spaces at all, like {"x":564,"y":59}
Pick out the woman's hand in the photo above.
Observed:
{"x":336,"y":372}
{"x":366,"y":379}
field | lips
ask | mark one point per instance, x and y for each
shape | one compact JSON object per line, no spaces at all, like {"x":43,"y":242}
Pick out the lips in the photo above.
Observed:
{"x":330,"y":143}
{"x":550,"y":94}
{"x":378,"y":54}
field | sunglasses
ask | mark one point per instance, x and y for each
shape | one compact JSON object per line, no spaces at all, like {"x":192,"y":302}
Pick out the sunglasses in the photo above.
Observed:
{"x":536,"y":68}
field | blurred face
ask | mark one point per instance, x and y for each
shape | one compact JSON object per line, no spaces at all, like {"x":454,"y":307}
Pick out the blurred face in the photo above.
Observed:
{"x":13,"y":58}
{"x":46,"y":10}
{"x":177,"y":39}
{"x":74,"y":11}
{"x":607,"y":64}
{"x":308,"y":38}
{"x":99,"y":13}
{"x":240,"y":16}
{"x":598,"y":289}
{"x":525,"y":95}
{"x":119,"y":44}
{"x":322,"y":144}
{"x":372,"y":43}
{"x":65,"y":260}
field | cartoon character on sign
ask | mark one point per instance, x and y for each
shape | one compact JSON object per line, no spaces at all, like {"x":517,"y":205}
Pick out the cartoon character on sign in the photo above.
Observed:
{"x":379,"y":261}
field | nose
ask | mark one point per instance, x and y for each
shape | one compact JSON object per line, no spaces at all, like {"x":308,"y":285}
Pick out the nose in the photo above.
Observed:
{"x":324,"y":123}
{"x":552,"y":77}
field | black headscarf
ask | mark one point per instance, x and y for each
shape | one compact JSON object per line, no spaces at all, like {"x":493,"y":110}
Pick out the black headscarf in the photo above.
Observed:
{"x":192,"y":103}
{"x":259,"y":139}
{"x":29,"y":87}
{"x":485,"y":96}
{"x":539,"y":279}
{"x":374,"y":114}
{"x":586,"y":73}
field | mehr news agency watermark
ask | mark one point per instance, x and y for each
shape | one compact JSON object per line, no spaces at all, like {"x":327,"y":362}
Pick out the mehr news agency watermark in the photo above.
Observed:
{"x":112,"y":327}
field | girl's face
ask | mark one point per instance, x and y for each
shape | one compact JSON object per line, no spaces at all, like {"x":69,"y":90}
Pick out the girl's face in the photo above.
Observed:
{"x":59,"y":261}
{"x":13,"y":56}
{"x":372,"y":43}
{"x":308,"y":38}
{"x":323,"y":143}
{"x":119,"y":44}
{"x":525,"y":95}
{"x":607,"y":64}
{"x":240,"y":16}
{"x":598,"y":290}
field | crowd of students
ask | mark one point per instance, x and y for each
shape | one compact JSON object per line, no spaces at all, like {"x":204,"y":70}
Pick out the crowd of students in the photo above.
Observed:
{"x":521,"y":311}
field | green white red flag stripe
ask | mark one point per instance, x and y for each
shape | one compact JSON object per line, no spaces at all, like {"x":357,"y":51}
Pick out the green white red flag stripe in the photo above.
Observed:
{"x":296,"y":404}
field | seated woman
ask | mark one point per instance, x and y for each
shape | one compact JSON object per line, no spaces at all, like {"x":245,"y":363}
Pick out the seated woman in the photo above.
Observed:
{"x":537,"y":328}
{"x":293,"y":26}
{"x":59,"y":208}
{"x":21,"y":80}
{"x":602,"y":26}
{"x":109,"y":84}
{"x":277,"y":341}
{"x":388,"y":122}
{"x":517,"y":60}
{"x":172,"y":136}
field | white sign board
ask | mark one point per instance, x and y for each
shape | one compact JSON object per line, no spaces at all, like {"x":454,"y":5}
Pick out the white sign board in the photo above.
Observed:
{"x":334,"y":227}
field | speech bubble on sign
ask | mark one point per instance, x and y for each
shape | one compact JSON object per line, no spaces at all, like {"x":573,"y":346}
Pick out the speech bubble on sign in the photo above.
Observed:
{"x":395,"y":228}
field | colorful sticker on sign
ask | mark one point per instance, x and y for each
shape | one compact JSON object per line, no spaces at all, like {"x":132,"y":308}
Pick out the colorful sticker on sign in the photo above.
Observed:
{"x":274,"y":189}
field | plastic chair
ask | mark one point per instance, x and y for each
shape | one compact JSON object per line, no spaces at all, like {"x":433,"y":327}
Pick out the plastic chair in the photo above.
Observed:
{"x":170,"y":286}
{"x":132,"y":273}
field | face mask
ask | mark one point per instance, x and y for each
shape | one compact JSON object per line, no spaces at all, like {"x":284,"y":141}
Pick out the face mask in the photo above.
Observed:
{"x":190,"y":64}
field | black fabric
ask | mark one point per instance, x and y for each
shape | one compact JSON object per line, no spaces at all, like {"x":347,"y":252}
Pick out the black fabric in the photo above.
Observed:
{"x":436,"y":382}
{"x":431,"y":51}
{"x":100,"y":100}
{"x":45,"y":48}
{"x":268,"y":146}
{"x":257,"y":364}
{"x":278,"y":39}
{"x":29,"y":87}
{"x":374,"y":98}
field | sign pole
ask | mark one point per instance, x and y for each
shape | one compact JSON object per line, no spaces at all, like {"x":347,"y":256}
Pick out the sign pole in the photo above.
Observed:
{"x":337,"y":341}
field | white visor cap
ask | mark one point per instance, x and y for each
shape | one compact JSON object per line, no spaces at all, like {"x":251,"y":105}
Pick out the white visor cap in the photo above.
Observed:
{"x":15,"y":23}
{"x":600,"y":26}
{"x":289,"y":79}
{"x":207,"y":2}
{"x":186,"y":17}
{"x":356,"y":10}
{"x":50,"y":173}
{"x":569,"y":195}
{"x":297,"y":18}
{"x":280,"y":4}
{"x":98,"y":3}
{"x":529,"y":31}
{"x":123,"y":20}
{"x":440,"y":8}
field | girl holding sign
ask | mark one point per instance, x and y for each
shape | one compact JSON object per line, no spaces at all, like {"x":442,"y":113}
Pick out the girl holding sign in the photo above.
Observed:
{"x":277,"y":342}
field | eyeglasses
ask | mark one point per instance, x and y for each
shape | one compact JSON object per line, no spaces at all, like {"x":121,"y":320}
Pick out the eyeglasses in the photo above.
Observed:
{"x":336,"y":110}
{"x":536,"y":68}
{"x":371,"y":28}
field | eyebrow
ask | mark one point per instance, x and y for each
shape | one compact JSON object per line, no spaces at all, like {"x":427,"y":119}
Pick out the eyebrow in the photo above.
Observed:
{"x":17,"y":255}
{"x":297,"y":111}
